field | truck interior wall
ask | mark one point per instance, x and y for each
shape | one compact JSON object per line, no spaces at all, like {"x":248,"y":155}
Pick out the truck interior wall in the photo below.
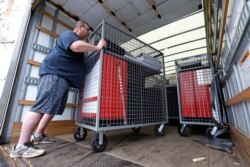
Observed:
{"x":37,"y":45}
{"x":235,"y":63}
{"x":29,"y":91}
{"x":237,"y":78}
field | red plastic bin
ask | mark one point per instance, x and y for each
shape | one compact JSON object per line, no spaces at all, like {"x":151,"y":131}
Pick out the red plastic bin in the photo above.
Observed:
{"x":113,"y":99}
{"x":195,"y":97}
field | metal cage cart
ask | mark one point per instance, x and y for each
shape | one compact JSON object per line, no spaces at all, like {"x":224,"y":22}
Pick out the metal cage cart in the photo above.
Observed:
{"x":124,"y":87}
{"x":193,"y":85}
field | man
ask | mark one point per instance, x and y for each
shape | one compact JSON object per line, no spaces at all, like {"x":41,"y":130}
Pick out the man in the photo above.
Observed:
{"x":62,"y":68}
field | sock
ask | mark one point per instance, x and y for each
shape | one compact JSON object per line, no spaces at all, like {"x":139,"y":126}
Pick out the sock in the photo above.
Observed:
{"x":38,"y":135}
{"x":18,"y":145}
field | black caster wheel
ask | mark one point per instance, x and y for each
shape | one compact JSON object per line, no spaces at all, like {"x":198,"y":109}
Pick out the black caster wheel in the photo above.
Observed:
{"x":80,"y":134}
{"x":136,"y":130}
{"x":96,"y":146}
{"x":184,"y":131}
{"x":208,"y":133}
{"x":158,"y":131}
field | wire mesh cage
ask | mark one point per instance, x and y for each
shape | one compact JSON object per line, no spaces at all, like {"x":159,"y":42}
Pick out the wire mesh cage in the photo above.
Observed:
{"x":193,"y":84}
{"x":124,"y":87}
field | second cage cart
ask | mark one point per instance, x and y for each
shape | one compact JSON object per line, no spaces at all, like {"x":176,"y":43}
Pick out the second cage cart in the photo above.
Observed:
{"x":193,"y":84}
{"x":124,"y":87}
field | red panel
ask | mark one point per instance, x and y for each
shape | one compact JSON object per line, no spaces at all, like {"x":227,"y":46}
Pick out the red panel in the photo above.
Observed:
{"x":195,"y":98}
{"x":202,"y":96}
{"x":203,"y":103}
{"x":114,"y":90}
{"x":113,"y":100}
{"x":187,"y":94}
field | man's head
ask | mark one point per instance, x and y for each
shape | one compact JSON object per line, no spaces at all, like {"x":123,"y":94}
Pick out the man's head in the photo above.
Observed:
{"x":82,"y":29}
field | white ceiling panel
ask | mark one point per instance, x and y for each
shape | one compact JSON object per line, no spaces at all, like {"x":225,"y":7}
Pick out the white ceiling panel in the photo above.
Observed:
{"x":170,"y":11}
{"x":98,"y":12}
{"x":127,"y":13}
{"x":171,"y":6}
{"x":115,"y":22}
{"x":181,"y":23}
{"x":138,"y":14}
{"x":189,"y":36}
{"x":174,"y":28}
{"x":95,"y":15}
{"x":142,"y":19}
{"x":118,"y":4}
{"x":90,"y":19}
{"x":59,"y":2}
{"x":65,"y":19}
{"x":140,"y":6}
{"x":91,"y":2}
{"x":184,"y":55}
{"x":188,"y":46}
{"x":77,"y":7}
{"x":153,"y":24}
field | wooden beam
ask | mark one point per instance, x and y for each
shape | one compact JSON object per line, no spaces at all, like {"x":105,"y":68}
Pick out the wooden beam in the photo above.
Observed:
{"x":210,"y":17}
{"x":215,"y":25}
{"x":56,"y":19}
{"x":34,"y":63}
{"x":211,"y":24}
{"x":47,"y":31}
{"x":242,"y":143}
{"x":222,"y":29}
{"x":245,"y":94}
{"x":54,"y":128}
{"x":71,"y":105}
{"x":207,"y":22}
{"x":245,"y":57}
{"x":240,"y":97}
{"x":30,"y":102}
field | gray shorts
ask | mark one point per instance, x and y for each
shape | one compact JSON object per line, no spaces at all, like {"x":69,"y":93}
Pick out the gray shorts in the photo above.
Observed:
{"x":52,"y":95}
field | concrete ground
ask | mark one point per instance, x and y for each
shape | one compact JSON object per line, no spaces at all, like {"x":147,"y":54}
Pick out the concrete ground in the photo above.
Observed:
{"x":128,"y":149}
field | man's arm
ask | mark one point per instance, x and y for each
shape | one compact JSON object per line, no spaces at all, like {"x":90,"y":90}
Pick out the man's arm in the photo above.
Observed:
{"x":81,"y":46}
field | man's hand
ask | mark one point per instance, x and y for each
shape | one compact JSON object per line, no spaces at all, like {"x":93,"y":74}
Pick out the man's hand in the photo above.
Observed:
{"x":81,"y":46}
{"x":102,"y":44}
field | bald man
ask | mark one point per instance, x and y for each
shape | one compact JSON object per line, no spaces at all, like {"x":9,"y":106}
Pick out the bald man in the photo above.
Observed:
{"x":61,"y":69}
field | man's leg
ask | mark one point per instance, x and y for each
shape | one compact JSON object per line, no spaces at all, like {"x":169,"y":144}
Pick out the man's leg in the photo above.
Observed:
{"x":29,"y":124}
{"x":25,"y":148}
{"x":53,"y":97}
{"x":39,"y":136}
{"x":44,"y":123}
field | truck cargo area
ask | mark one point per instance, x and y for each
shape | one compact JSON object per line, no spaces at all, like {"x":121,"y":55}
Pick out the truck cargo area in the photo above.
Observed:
{"x":170,"y":89}
{"x":127,"y":148}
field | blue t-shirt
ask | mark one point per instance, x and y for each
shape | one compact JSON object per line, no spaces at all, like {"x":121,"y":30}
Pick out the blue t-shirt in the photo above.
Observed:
{"x":64,"y":62}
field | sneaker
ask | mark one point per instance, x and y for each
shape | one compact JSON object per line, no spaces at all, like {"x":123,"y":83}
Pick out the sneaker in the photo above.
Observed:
{"x":27,"y":150}
{"x":42,"y":139}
